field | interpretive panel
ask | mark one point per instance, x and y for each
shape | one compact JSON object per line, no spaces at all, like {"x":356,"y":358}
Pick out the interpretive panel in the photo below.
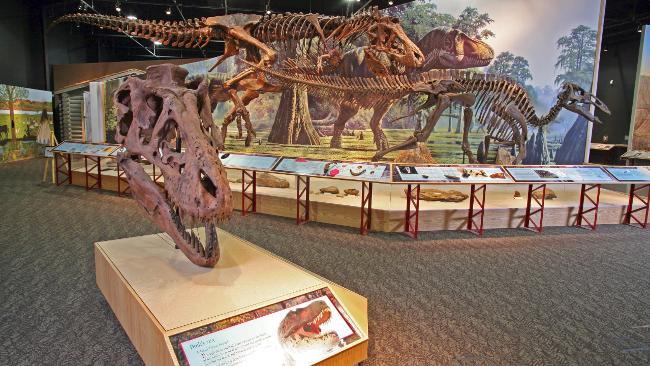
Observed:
{"x":244,"y":161}
{"x":300,"y":331}
{"x":334,"y":169}
{"x":630,"y":173}
{"x":85,"y":149}
{"x":450,"y":174}
{"x":573,"y":174}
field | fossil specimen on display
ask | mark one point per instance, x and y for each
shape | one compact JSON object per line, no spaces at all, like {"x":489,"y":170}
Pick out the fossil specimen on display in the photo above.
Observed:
{"x":154,"y":116}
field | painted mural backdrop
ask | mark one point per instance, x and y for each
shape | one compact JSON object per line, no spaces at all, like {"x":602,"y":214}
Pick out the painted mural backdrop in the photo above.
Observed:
{"x":541,"y":44}
{"x":640,"y":127}
{"x":25,"y":117}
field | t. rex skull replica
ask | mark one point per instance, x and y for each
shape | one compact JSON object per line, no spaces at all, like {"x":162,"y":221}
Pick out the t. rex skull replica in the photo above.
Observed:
{"x":152,"y":113}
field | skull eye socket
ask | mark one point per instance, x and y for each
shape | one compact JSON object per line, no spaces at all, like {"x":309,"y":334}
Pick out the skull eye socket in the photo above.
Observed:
{"x":123,"y":97}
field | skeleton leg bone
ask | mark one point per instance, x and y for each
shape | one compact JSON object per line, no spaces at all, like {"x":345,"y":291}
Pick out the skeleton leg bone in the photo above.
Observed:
{"x":346,"y":112}
{"x":468,"y":113}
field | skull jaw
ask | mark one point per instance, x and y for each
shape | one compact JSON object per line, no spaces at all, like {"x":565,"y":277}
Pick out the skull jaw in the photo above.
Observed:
{"x":152,"y":199}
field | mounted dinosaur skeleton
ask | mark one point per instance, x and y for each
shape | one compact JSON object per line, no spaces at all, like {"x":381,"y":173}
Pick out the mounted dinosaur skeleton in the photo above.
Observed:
{"x":502,"y":106}
{"x":152,"y":113}
{"x":319,"y":37}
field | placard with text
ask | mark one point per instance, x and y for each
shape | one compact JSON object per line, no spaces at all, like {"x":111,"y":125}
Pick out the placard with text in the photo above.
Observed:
{"x":451,"y":174}
{"x":299,"y":331}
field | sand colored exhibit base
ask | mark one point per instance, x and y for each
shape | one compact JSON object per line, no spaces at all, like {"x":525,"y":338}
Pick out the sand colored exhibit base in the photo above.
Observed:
{"x":156,"y":292}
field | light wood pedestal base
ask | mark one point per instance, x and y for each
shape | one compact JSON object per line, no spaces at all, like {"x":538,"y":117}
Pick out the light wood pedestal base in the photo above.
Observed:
{"x":155,"y":292}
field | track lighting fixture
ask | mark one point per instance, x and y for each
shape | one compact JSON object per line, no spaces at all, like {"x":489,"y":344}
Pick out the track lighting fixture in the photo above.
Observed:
{"x":168,"y":11}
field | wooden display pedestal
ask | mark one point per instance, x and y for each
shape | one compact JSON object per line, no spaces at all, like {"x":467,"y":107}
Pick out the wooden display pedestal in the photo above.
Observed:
{"x":155,"y":292}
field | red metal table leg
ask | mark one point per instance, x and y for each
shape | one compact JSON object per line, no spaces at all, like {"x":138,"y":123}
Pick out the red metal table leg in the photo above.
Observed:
{"x":156,"y":177}
{"x":536,"y":226}
{"x":366,"y":207}
{"x":635,"y":194}
{"x":585,"y":197}
{"x":248,"y":192}
{"x":121,"y":181}
{"x":66,"y":172}
{"x":411,"y":218}
{"x":477,"y":197}
{"x":302,"y":208}
{"x":96,"y":164}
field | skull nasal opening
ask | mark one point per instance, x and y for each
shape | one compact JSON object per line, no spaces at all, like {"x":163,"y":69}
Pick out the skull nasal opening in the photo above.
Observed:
{"x":207,"y":183}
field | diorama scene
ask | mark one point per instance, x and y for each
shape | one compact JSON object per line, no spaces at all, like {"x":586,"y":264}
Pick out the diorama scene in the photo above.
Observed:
{"x":25,"y":122}
{"x":331,"y":183}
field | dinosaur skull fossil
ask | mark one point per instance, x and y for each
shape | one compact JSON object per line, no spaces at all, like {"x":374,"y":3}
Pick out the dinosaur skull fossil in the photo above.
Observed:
{"x":388,"y":36}
{"x":152,"y":113}
{"x":453,"y":49}
{"x":578,"y":100}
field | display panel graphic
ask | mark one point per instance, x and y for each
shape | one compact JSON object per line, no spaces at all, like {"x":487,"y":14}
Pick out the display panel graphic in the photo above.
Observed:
{"x":86,"y":149}
{"x":575,"y":174}
{"x":334,"y":169}
{"x":540,"y":44}
{"x":630,"y":173}
{"x":244,"y":161}
{"x":300,"y":331}
{"x":451,"y":174}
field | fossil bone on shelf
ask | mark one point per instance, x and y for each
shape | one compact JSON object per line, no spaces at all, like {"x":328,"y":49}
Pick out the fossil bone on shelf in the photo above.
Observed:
{"x":154,"y":116}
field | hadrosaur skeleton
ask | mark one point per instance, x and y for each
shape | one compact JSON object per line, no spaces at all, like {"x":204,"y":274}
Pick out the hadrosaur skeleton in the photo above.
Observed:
{"x":502,"y":105}
{"x":153,"y":114}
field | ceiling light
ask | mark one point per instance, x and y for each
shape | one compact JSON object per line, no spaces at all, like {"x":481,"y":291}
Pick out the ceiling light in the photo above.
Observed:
{"x":168,"y":11}
{"x":132,"y":17}
{"x":640,"y":29}
{"x":268,"y":12}
{"x":390,"y":2}
{"x":157,"y":43}
{"x":118,"y":8}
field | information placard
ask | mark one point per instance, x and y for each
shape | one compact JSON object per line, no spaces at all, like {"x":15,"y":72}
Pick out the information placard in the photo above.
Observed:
{"x":85,"y":149}
{"x":570,"y":174}
{"x":300,"y":331}
{"x":630,"y":173}
{"x":246,"y":161}
{"x":334,"y":169}
{"x":450,"y":174}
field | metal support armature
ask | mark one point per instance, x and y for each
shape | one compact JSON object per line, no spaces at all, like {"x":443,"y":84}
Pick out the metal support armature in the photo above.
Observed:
{"x":539,"y":210}
{"x":586,"y":195}
{"x":412,"y":214}
{"x":248,"y":192}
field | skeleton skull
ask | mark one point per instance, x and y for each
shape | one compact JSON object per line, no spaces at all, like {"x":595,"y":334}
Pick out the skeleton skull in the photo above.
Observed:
{"x":151,"y":114}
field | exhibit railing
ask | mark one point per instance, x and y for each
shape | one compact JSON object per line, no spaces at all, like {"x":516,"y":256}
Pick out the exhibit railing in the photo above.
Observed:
{"x":477,"y":177}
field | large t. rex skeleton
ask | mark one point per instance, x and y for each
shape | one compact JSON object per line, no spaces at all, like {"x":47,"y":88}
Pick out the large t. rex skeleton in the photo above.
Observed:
{"x":502,"y":105}
{"x":262,"y":37}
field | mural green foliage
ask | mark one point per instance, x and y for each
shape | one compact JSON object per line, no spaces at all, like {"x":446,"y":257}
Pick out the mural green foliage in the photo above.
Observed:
{"x":576,"y":59}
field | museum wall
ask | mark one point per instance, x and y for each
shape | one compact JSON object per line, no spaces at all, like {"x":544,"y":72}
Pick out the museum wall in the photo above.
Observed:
{"x":70,"y":74}
{"x":617,"y":74}
{"x":20,"y":36}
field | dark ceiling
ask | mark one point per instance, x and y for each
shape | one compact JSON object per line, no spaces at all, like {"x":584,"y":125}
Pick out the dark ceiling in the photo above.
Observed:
{"x":622,"y":20}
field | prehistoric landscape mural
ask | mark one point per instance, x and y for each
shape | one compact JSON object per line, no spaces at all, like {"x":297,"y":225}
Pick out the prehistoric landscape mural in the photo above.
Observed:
{"x":530,"y":41}
{"x":640,"y":126}
{"x":25,"y":117}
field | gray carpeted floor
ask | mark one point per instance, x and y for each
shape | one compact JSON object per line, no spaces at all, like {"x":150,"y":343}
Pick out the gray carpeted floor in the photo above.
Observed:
{"x":569,"y":296}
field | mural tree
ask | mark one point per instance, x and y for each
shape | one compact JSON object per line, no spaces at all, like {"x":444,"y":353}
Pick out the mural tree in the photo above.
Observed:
{"x":507,"y":64}
{"x":472,"y":23}
{"x":292,"y":124}
{"x":576,"y":59}
{"x":576,"y":63}
{"x":419,"y":17}
{"x":10,"y":94}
